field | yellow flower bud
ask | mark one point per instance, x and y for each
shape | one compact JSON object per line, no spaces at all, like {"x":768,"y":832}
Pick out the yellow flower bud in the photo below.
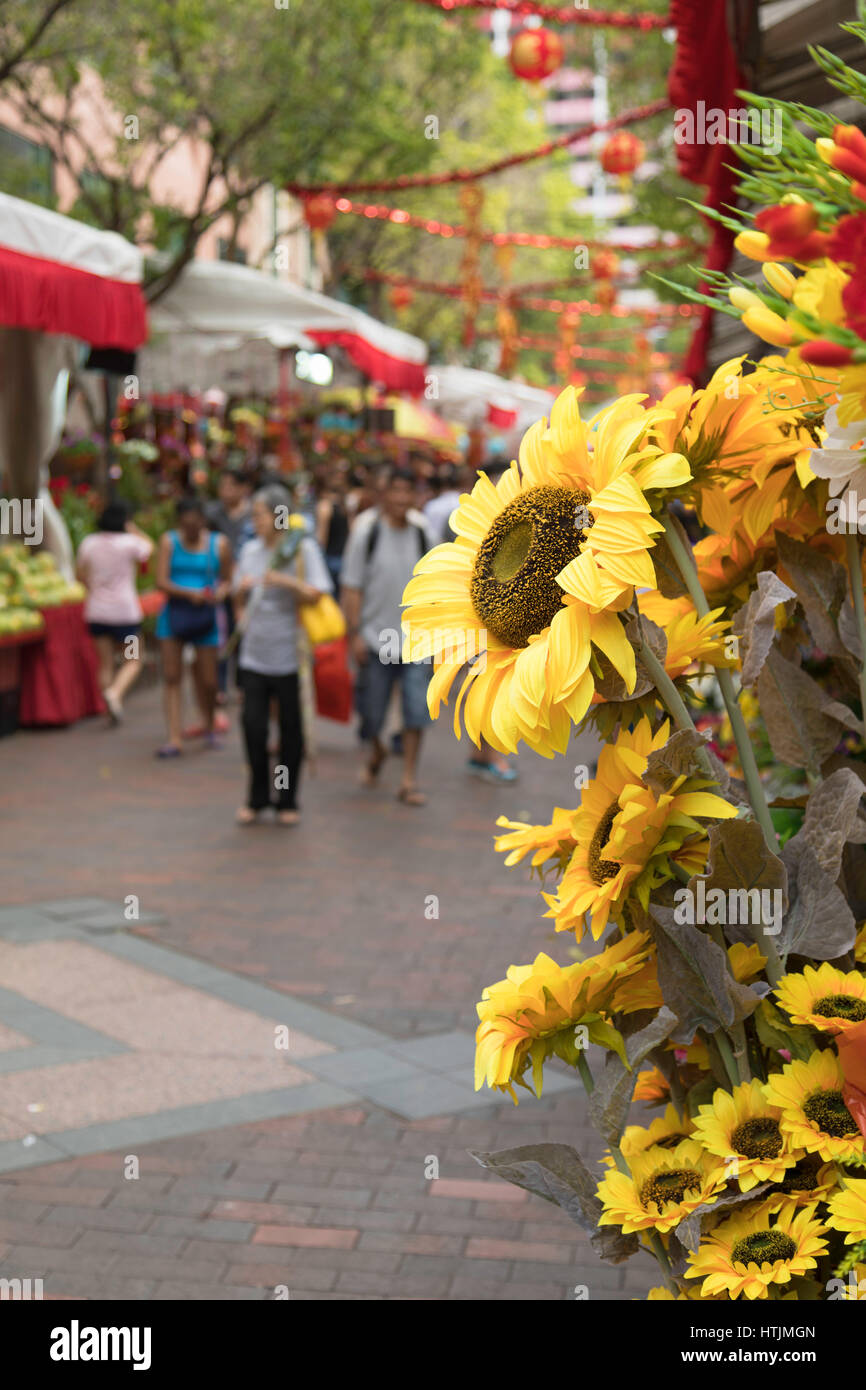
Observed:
{"x":753,"y":244}
{"x":780,"y":279}
{"x":743,"y":299}
{"x":825,"y":149}
{"x":771,"y":327}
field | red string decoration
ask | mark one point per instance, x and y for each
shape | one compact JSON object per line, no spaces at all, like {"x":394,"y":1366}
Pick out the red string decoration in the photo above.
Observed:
{"x":658,"y":313}
{"x":636,"y":113}
{"x":537,"y":240}
{"x":558,"y":14}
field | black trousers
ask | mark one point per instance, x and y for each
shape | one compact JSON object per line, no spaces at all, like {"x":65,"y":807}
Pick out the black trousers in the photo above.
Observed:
{"x":282,"y":787}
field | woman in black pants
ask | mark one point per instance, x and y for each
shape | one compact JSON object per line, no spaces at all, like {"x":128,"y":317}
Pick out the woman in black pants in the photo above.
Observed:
{"x":268,"y":590}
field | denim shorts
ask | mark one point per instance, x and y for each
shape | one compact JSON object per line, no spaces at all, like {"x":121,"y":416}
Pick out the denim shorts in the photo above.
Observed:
{"x":118,"y":632}
{"x":376,"y":680}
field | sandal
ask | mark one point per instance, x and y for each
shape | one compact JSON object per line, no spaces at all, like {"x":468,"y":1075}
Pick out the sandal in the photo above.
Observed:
{"x":245,"y":815}
{"x":288,"y":817}
{"x":168,"y":750}
{"x":411,"y":796}
{"x":371,"y":769}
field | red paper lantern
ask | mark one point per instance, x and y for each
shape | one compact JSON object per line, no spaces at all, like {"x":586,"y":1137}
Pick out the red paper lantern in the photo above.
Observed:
{"x":622,"y":153}
{"x":400,"y":297}
{"x":535,"y":53}
{"x":606,"y":295}
{"x":605,"y":265}
{"x":319,"y":212}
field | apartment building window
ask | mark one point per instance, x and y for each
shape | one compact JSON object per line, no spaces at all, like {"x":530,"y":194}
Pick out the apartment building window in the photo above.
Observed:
{"x":26,"y":169}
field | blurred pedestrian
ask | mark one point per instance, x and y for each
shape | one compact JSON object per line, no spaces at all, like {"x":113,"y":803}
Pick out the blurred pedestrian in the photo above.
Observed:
{"x":231,"y":515}
{"x":108,"y":562}
{"x":269,"y":587}
{"x":438,"y":510}
{"x":193,"y":570}
{"x":332,"y":523}
{"x":384,"y":546}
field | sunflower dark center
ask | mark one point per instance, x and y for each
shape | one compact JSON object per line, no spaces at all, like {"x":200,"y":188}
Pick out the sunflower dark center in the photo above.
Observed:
{"x":513,"y":588}
{"x":670,"y":1141}
{"x":802,"y":1177}
{"x":829,"y":1112}
{"x":669,"y":1185}
{"x":763,"y":1247}
{"x":600,"y":870}
{"x":841,"y":1006}
{"x":758,"y":1138}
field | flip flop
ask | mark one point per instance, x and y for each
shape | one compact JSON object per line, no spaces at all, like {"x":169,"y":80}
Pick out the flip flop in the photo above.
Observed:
{"x":168,"y":750}
{"x":246,"y":816}
{"x":288,"y":817}
{"x":411,"y":796}
{"x":371,"y":769}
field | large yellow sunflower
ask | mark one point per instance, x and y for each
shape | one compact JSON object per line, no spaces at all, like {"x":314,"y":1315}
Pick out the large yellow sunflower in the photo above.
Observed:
{"x":848,"y":1210}
{"x":625,"y":836}
{"x":663,"y":1186}
{"x":743,"y":1128}
{"x":814,"y":1113}
{"x":534,"y":1011}
{"x":750,"y":1251}
{"x":827,"y":998}
{"x":665,"y":1132}
{"x":810,"y":1180}
{"x":543,"y":563}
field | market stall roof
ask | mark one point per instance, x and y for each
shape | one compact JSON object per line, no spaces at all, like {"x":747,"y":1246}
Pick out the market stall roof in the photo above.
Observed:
{"x":219,"y":297}
{"x":476,"y":398}
{"x":60,"y":276}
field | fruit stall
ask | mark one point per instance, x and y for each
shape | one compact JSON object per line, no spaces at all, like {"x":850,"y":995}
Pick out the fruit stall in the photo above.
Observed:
{"x":48,"y":672}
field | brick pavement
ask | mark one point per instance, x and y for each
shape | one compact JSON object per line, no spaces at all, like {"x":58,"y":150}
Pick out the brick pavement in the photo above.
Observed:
{"x":334,"y":1203}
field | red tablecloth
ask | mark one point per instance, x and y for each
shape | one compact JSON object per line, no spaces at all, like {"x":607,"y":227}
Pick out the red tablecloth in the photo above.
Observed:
{"x":60,"y":674}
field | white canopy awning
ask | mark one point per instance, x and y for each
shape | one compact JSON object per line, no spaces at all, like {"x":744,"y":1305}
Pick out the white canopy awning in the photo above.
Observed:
{"x":219,"y":298}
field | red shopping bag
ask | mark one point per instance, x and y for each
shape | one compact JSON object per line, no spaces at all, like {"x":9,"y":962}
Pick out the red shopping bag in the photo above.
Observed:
{"x":333,"y":680}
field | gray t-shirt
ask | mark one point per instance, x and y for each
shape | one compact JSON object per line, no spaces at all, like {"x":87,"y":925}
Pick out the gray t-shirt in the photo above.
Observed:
{"x":269,"y":643}
{"x":385,"y":575}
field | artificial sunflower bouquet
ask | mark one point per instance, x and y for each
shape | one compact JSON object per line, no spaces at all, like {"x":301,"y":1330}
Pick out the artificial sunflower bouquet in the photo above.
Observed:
{"x":717,"y":899}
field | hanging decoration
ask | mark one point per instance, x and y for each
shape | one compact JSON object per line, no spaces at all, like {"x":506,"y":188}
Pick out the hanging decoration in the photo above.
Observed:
{"x":622,"y":154}
{"x":471,"y":285}
{"x":605,"y":266}
{"x":559,"y":14}
{"x":568,"y":326}
{"x":562,"y":142}
{"x":537,"y":240}
{"x":535,"y":54}
{"x":400,"y":297}
{"x":658,"y":313}
{"x":506,"y":321}
{"x":319,"y":212}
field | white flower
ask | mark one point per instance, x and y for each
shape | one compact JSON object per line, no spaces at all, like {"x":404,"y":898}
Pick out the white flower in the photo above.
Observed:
{"x":842,"y":465}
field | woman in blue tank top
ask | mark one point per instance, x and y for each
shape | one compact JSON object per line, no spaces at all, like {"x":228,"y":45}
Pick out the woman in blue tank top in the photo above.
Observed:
{"x":194,"y":571}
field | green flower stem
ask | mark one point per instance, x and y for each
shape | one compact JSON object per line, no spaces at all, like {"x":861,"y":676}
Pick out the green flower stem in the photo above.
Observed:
{"x":738,"y":1033}
{"x":721,"y":1040}
{"x":754,"y":785}
{"x":585,"y":1073}
{"x":855,"y":574}
{"x":673,"y":701}
{"x":658,"y":1249}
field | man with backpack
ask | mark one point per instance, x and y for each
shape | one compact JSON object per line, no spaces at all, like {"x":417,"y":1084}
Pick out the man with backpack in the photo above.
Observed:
{"x":383,"y":548}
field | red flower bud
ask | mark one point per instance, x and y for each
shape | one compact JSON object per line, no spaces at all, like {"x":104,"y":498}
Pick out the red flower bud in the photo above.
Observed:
{"x":849,"y":163}
{"x":848,"y":137}
{"x":820,"y":352}
{"x":793,"y":232}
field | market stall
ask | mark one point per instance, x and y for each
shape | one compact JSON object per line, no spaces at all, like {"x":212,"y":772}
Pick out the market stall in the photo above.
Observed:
{"x":62,"y":285}
{"x":219,"y":315}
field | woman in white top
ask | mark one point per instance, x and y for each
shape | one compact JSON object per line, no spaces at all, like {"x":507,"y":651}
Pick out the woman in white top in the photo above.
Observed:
{"x":108,"y":562}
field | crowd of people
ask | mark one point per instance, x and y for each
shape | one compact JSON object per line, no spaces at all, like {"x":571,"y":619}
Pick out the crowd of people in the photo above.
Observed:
{"x":234,"y":572}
